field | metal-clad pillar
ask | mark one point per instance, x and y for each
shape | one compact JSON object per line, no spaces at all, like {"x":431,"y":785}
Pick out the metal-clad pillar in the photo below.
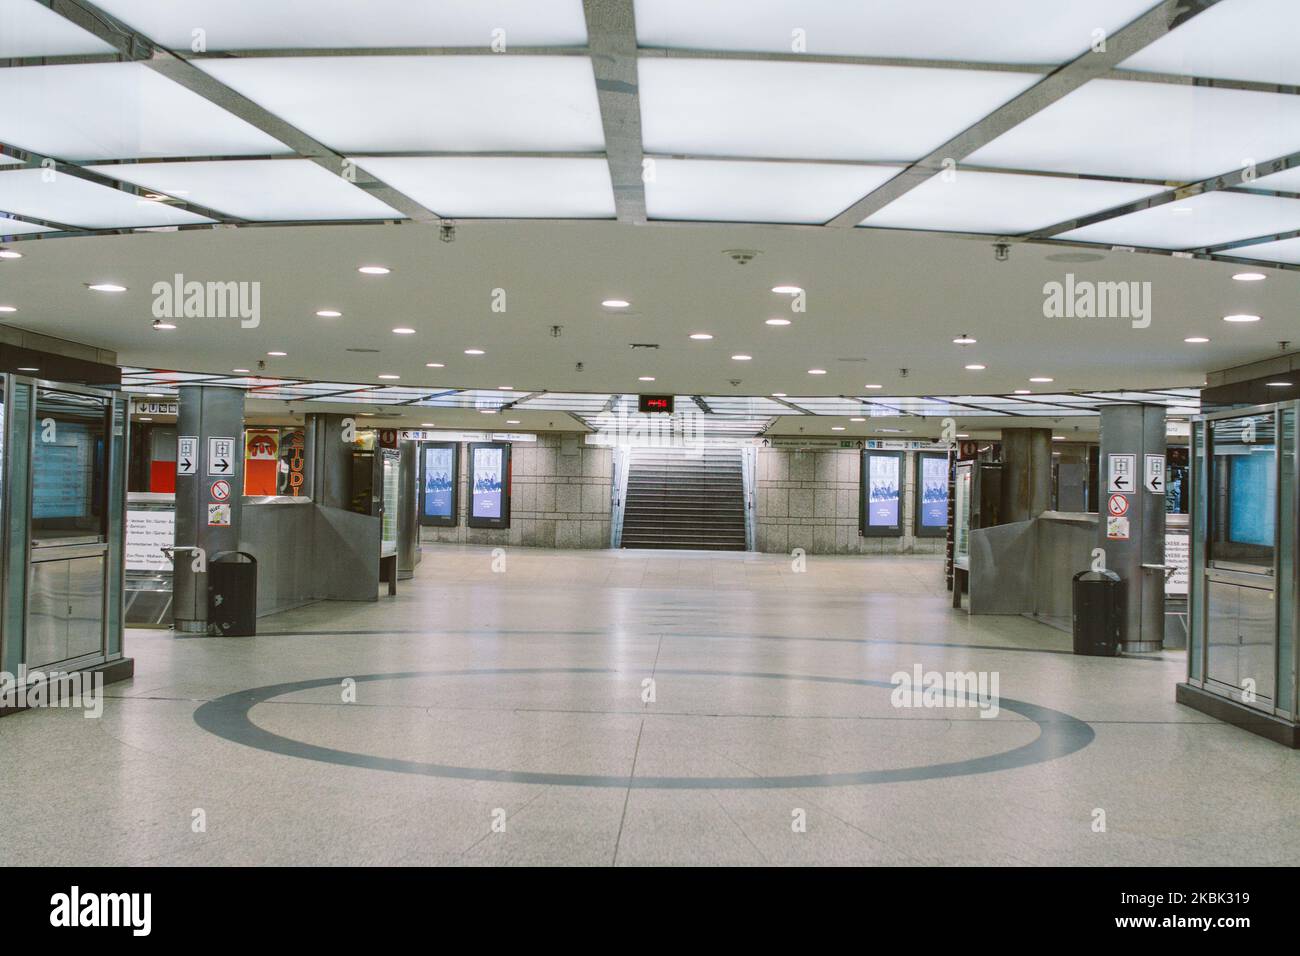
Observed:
{"x":408,"y":509}
{"x":1131,"y":523}
{"x":1026,"y":473}
{"x":209,"y":492}
{"x":329,"y":461}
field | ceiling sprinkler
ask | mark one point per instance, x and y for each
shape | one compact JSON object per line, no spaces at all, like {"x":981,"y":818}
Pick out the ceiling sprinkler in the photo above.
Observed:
{"x":447,"y":230}
{"x":902,"y":373}
{"x":556,"y":330}
{"x":1001,"y":251}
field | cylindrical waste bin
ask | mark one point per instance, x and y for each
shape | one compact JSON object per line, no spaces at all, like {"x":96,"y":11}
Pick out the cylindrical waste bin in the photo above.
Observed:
{"x":1098,"y":613}
{"x":232,"y":593}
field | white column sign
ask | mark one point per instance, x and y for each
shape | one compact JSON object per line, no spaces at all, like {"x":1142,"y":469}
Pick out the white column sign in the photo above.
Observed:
{"x":187,"y":455}
{"x":1154,"y":480}
{"x":1122,"y":473}
{"x":221,"y":457}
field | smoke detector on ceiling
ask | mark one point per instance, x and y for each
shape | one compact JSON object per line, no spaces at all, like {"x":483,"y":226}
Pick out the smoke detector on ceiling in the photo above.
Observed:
{"x":741,"y":257}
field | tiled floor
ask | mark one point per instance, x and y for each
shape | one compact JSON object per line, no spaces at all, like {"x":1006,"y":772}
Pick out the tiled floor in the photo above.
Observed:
{"x":499,"y":717}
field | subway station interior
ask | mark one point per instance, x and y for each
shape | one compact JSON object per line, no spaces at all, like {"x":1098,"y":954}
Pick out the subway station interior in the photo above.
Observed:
{"x":649,"y":433}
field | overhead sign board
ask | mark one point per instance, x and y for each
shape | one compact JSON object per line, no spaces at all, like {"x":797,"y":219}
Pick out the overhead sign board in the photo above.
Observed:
{"x":141,"y":407}
{"x":655,"y":403}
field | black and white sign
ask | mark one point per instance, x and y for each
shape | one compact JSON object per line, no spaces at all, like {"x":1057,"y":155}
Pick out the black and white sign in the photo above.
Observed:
{"x":1154,"y":479}
{"x":187,"y":455}
{"x":221,"y":457}
{"x":1122,"y":474}
{"x":1177,"y":556}
{"x":147,"y":533}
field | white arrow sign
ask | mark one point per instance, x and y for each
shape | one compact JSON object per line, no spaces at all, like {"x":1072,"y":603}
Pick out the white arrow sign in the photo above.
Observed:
{"x":187,"y":453}
{"x":1122,"y":473}
{"x":1155,"y":474}
{"x":221,"y":457}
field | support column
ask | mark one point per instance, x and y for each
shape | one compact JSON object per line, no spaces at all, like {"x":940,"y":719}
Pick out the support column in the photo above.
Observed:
{"x":209,"y":493}
{"x":329,"y":461}
{"x":1131,"y":519}
{"x":1026,"y":473}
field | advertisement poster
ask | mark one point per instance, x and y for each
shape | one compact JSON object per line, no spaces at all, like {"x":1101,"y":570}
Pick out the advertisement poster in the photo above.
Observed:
{"x":261,"y":461}
{"x":882,"y":491}
{"x":488,"y":482}
{"x":439,"y":474}
{"x":293,"y":464}
{"x":934,"y":492}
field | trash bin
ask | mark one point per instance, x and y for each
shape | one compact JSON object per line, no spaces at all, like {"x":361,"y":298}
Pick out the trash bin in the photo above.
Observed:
{"x":232,"y":593}
{"x":1098,"y":613}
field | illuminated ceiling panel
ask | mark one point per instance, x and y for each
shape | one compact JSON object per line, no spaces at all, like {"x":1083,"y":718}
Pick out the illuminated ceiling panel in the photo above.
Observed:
{"x":76,"y":202}
{"x":757,"y":192}
{"x":501,"y":187}
{"x":269,"y":190}
{"x":1234,"y":39}
{"x":1286,"y":250}
{"x":28,"y":28}
{"x":1150,"y":131}
{"x":967,"y":201}
{"x":1009,"y":31}
{"x":401,"y":103}
{"x":1203,"y":220}
{"x":811,"y":110}
{"x":1286,"y":181}
{"x":16,"y":227}
{"x":257,"y":25}
{"x":87,"y":111}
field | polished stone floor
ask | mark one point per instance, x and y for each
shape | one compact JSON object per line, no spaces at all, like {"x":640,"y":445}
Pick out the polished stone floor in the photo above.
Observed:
{"x":498,"y":711}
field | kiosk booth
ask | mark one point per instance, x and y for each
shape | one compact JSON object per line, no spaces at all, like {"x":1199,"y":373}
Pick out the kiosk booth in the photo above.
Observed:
{"x":1242,"y":611}
{"x":63,"y":453}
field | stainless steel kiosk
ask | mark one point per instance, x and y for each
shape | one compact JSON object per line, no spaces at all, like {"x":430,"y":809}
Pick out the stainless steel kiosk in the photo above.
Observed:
{"x":1242,"y":612}
{"x":62,"y":495}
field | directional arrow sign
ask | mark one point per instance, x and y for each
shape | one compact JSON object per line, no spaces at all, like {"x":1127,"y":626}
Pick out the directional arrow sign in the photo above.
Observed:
{"x":1121,"y":474}
{"x":187,"y":451}
{"x":221,"y":456}
{"x":1155,"y":474}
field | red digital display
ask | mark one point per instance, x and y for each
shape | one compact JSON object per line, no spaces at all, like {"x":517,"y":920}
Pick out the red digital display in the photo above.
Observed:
{"x":656,"y":403}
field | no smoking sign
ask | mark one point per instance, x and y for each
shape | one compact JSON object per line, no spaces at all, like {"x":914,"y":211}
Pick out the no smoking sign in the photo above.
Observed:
{"x":1117,"y":505}
{"x":220,"y":490}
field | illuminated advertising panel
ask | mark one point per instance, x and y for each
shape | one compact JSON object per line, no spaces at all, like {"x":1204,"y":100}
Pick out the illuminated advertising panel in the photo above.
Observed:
{"x":489,"y":485}
{"x":439,"y":476}
{"x":931,"y":494}
{"x":881,"y":493}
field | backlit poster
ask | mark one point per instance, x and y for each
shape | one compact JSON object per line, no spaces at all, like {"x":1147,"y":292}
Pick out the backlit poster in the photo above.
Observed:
{"x":882,"y":491}
{"x":439,"y":481}
{"x":487,"y":482}
{"x":932,"y":498}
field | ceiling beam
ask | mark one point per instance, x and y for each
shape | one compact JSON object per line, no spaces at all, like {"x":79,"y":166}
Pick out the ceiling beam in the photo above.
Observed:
{"x":136,"y":46}
{"x":1119,"y":46}
{"x":611,"y":36}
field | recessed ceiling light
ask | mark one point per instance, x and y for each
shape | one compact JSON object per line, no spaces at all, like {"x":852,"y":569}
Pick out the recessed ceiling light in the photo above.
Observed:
{"x":390,"y":376}
{"x":7,"y":308}
{"x":1241,"y":317}
{"x":873,"y":386}
{"x":374,"y":270}
{"x":28,"y":368}
{"x":962,"y":435}
{"x":160,"y":326}
{"x":777,"y":322}
{"x":434,"y":365}
{"x":474,"y":352}
{"x":837,"y":428}
{"x":1058,"y":438}
{"x":1196,"y":339}
{"x":426,"y":424}
{"x":506,"y":388}
{"x":778,"y":394}
{"x":105,"y":287}
{"x":1250,"y":277}
{"x":487,"y":411}
{"x":817,"y":371}
{"x":10,"y":254}
{"x":242,"y":371}
{"x":786,"y":289}
{"x":1278,"y":384}
{"x":976,"y":368}
{"x":741,"y":357}
{"x":1040,"y":378}
{"x":615,"y":303}
{"x":701,"y":336}
{"x":1023,"y":391}
{"x":964,"y":339}
{"x":512,"y":421}
{"x":144,"y":418}
{"x":277,"y":354}
{"x":857,"y":419}
{"x":328,"y":313}
{"x":646,"y":378}
{"x":403,"y":330}
{"x":154,"y":395}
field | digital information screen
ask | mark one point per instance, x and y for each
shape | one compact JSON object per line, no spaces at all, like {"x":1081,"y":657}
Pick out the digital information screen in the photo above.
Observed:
{"x":655,"y":403}
{"x":881,"y":493}
{"x":932,"y":496}
{"x":438,"y":501}
{"x":489,"y":479}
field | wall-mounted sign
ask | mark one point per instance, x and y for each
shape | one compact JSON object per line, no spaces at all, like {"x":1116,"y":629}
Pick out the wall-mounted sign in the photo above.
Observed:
{"x":261,"y":461}
{"x":140,"y":407}
{"x":655,"y":403}
{"x":489,"y":485}
{"x":1121,"y":474}
{"x":880,"y":493}
{"x":147,"y":533}
{"x":218,"y":516}
{"x":221,"y":490}
{"x":221,"y":457}
{"x":1153,"y":479}
{"x":293,"y":463}
{"x":415,"y":434}
{"x":931,"y":495}
{"x":187,"y":455}
{"x":439,"y":478}
{"x":1177,"y":556}
{"x":1117,"y":527}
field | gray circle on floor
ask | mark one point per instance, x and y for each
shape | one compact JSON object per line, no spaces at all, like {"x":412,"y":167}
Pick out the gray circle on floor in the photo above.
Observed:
{"x":1059,"y":735}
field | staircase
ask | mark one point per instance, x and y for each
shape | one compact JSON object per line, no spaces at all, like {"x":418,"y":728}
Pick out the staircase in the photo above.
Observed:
{"x":685,"y":498}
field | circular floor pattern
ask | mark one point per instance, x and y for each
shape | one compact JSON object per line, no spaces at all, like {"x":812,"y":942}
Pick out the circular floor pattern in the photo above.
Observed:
{"x":1059,"y":735}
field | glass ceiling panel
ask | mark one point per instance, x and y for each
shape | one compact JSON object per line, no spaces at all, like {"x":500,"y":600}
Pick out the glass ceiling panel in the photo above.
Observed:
{"x":16,"y":227}
{"x":257,"y":25}
{"x":501,"y":187}
{"x":1013,"y":31}
{"x":1202,"y":220}
{"x":401,"y":103}
{"x":1150,"y":131}
{"x":811,"y":110}
{"x":966,"y":201}
{"x":1286,"y":181}
{"x":756,"y":192}
{"x":267,"y":190}
{"x":79,"y":203}
{"x":86,"y":111}
{"x":28,"y":28}
{"x":1235,"y":39}
{"x":1285,"y":250}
